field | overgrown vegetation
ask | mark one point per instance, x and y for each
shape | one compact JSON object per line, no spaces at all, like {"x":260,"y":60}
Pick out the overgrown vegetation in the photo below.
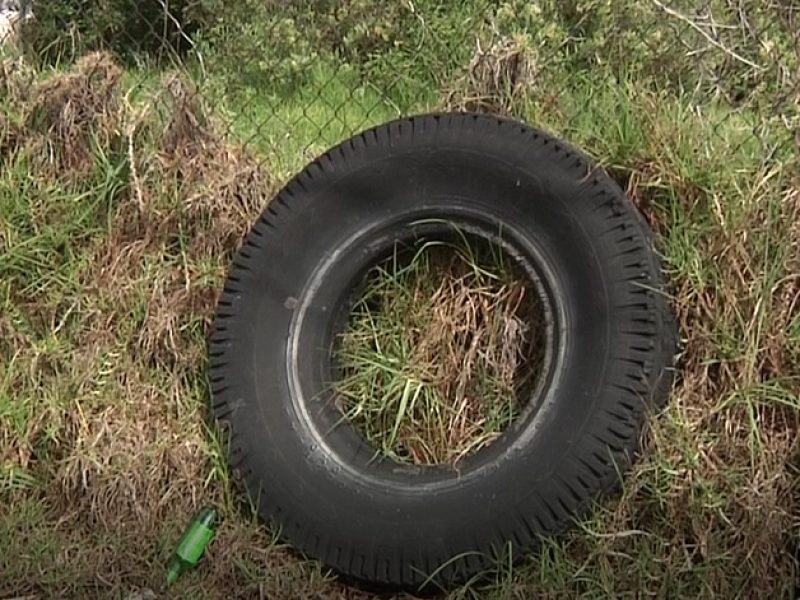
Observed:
{"x":442,"y":346}
{"x":121,"y":200}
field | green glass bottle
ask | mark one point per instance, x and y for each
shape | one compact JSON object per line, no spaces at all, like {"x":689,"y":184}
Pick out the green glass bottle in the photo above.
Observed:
{"x":192,"y":544}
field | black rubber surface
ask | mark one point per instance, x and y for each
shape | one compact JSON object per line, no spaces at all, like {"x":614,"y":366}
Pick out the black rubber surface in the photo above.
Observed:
{"x":612,"y":333}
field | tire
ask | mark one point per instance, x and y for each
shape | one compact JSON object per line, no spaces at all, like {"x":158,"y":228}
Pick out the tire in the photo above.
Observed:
{"x":612,"y":343}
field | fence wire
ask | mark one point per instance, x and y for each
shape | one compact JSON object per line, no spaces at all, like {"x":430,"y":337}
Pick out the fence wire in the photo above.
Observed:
{"x":289,"y":79}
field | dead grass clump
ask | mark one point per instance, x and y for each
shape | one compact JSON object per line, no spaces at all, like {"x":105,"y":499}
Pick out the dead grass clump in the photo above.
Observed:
{"x":437,"y":358}
{"x":192,"y":199}
{"x":9,"y":138}
{"x":495,"y":79}
{"x":198,"y":197}
{"x":173,"y":301}
{"x":16,"y":81}
{"x":73,"y":111}
{"x":220,"y":187}
{"x":176,"y":311}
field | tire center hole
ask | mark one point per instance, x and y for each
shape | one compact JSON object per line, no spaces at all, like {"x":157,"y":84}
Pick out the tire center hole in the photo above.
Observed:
{"x":443,"y":347}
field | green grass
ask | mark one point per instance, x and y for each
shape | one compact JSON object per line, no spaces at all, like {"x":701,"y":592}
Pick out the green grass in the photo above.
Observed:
{"x":438,"y":350}
{"x":104,"y":446}
{"x":290,"y":130}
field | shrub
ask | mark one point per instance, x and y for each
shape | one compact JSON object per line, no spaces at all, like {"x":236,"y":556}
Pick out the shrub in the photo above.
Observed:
{"x":131,"y":29}
{"x":275,"y":42}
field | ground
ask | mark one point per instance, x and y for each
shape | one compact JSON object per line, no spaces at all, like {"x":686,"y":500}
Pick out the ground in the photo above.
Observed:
{"x":114,"y":246}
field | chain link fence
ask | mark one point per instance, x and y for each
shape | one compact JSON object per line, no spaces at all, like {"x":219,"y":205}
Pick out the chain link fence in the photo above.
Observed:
{"x":288,"y":79}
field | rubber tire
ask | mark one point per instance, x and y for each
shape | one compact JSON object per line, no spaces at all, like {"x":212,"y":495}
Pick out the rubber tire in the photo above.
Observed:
{"x":614,"y":338}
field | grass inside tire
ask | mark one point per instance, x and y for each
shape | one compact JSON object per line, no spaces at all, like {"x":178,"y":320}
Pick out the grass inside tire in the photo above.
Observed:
{"x":608,"y":343}
{"x":443,"y":348}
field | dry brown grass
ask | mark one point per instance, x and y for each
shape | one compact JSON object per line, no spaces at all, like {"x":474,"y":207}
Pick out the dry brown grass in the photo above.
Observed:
{"x":15,"y":82}
{"x":68,"y":110}
{"x":139,"y":453}
{"x":192,"y":199}
{"x":439,"y":355}
{"x":495,"y":80}
{"x":116,"y":451}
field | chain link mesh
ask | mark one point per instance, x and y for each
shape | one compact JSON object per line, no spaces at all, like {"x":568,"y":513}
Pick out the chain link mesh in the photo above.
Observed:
{"x":288,"y":79}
